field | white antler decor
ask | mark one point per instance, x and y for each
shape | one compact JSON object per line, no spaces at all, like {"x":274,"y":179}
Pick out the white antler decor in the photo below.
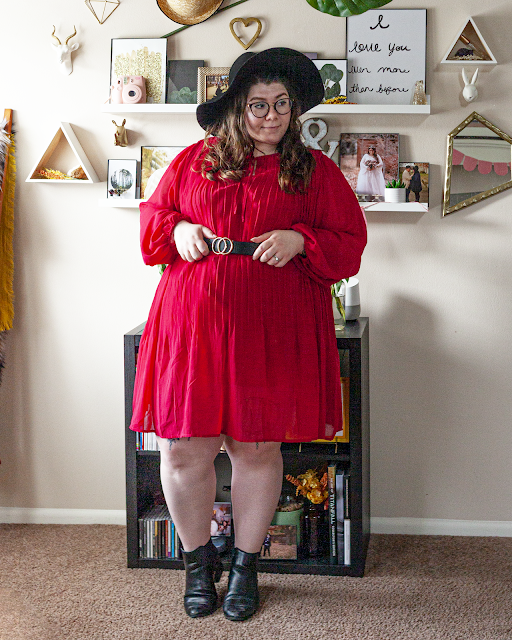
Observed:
{"x":64,"y":52}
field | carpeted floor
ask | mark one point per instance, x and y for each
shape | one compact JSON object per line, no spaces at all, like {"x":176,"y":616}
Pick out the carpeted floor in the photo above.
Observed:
{"x":71,"y":583}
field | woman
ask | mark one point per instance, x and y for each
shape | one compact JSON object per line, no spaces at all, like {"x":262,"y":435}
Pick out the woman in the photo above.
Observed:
{"x":415,"y":185}
{"x":239,"y":347}
{"x":370,"y":180}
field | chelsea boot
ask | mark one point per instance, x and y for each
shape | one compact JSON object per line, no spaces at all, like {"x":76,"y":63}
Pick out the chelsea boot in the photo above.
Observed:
{"x":203,"y":567}
{"x":242,"y":598}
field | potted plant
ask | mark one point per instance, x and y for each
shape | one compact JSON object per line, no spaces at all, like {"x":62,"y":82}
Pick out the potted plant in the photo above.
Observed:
{"x":394,"y":191}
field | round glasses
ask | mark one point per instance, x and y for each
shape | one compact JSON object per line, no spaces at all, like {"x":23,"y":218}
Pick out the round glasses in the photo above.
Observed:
{"x":261,"y":109}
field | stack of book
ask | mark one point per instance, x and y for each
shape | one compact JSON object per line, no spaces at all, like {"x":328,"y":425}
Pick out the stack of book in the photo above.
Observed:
{"x":338,"y":514}
{"x":146,"y":441}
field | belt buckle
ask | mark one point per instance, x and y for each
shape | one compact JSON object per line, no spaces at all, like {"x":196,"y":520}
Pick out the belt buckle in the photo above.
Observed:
{"x":222,"y":246}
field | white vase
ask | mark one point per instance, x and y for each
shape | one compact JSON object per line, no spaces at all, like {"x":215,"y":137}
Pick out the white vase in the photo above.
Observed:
{"x":394,"y":195}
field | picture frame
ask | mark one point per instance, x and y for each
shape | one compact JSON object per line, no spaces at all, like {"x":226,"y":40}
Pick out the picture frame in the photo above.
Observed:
{"x":334,"y":77}
{"x":182,"y":81}
{"x":154,"y":161}
{"x":280,"y":543}
{"x":145,"y":57}
{"x":210,"y":80}
{"x":411,"y":194}
{"x":221,"y":519}
{"x":361,"y":168}
{"x":386,"y":51}
{"x":122,"y":179}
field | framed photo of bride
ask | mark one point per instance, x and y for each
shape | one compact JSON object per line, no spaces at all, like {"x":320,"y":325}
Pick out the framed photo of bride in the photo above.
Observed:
{"x":368,"y":161}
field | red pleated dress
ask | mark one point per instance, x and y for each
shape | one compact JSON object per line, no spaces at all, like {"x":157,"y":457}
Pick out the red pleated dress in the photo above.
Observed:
{"x":232,"y":345}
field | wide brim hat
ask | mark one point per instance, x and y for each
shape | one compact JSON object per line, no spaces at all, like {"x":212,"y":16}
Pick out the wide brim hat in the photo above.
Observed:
{"x":296,"y":67}
{"x":189,"y":11}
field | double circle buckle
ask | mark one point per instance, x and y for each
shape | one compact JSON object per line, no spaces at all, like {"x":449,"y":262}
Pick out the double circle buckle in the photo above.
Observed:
{"x":222,"y":246}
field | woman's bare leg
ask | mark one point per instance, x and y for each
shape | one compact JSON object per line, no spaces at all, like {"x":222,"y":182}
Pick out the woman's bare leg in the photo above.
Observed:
{"x":256,"y":483}
{"x":187,"y":473}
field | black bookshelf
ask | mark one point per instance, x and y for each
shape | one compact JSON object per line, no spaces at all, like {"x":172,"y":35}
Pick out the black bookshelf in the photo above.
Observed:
{"x":142,"y":476}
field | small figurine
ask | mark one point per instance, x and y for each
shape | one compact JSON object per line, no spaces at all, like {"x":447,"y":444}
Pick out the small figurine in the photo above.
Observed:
{"x":470,"y":91}
{"x":419,"y":96}
{"x":121,"y":135}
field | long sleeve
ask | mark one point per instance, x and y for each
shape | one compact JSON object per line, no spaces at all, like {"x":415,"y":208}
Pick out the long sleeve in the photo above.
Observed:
{"x":161,"y":213}
{"x":335,"y":229}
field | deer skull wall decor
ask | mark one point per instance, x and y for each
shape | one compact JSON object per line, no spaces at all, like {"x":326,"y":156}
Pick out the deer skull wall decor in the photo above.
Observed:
{"x":64,"y":52}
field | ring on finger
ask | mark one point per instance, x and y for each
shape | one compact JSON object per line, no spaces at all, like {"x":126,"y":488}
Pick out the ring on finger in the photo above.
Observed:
{"x":276,"y":258}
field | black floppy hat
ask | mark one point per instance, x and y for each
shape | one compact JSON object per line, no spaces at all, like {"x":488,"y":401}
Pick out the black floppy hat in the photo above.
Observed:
{"x":287,"y":63}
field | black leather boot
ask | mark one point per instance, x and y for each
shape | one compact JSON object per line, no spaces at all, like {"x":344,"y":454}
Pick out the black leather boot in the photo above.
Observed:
{"x":242,"y":599}
{"x":203,"y":568}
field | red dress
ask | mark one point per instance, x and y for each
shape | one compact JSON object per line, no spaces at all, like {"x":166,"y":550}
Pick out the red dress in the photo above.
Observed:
{"x":232,"y":345}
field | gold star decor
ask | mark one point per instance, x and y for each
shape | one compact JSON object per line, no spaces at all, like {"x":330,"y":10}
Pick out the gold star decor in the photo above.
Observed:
{"x":102,"y":9}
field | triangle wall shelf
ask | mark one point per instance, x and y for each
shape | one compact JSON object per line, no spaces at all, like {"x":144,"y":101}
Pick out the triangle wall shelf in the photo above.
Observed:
{"x":64,"y":147}
{"x":469,"y":38}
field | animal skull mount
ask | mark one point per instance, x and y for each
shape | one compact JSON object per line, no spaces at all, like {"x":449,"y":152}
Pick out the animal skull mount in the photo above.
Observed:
{"x":120,"y":136}
{"x":64,"y":52}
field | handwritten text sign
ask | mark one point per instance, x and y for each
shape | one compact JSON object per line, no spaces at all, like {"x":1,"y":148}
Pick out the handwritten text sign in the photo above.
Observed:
{"x":386,"y":52}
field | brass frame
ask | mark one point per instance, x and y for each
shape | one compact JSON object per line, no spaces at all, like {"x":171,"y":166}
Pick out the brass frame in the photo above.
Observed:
{"x":202,"y":74}
{"x":448,"y":178}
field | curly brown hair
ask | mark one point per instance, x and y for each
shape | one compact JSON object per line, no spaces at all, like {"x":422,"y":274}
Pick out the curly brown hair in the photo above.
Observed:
{"x":229,"y":157}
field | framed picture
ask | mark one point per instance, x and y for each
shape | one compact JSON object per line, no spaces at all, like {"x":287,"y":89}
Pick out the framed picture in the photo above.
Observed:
{"x":334,"y":77}
{"x":415,"y":176}
{"x":211,"y":82}
{"x":386,"y":51}
{"x":280,"y":543}
{"x":122,"y":179}
{"x":182,"y":81}
{"x":145,"y":57}
{"x":153,"y":163}
{"x":221,"y":519}
{"x":368,"y":161}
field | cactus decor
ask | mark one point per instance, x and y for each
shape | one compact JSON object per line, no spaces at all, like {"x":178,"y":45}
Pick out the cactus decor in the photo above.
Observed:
{"x":395,"y":184}
{"x":345,"y":8}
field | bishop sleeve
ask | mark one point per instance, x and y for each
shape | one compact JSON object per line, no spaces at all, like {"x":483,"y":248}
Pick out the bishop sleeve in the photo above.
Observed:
{"x":334,"y":227}
{"x":161,"y":213}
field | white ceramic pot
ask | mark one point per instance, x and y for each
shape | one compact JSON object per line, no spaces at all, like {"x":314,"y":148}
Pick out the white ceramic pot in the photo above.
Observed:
{"x":394,"y":195}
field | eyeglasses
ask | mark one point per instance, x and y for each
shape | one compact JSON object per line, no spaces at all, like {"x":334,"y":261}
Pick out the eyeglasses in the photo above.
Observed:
{"x":261,"y":109}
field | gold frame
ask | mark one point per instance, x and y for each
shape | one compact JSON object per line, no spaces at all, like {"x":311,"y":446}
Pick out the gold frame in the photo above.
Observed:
{"x":449,"y":158}
{"x":202,"y":74}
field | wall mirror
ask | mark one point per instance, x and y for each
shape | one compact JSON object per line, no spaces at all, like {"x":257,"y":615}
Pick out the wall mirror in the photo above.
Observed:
{"x":478,"y":163}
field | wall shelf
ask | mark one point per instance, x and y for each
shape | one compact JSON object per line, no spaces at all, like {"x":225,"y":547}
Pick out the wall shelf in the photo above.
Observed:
{"x":405,"y":207}
{"x":324,"y":109}
{"x":469,"y":37}
{"x":120,"y":203}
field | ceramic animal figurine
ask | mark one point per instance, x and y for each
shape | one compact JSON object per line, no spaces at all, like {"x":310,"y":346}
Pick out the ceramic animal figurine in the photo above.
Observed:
{"x":120,"y":136}
{"x":470,"y":91}
{"x":64,"y":52}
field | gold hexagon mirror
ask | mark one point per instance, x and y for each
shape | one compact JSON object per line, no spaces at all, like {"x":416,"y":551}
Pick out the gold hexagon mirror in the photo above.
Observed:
{"x":478,"y":163}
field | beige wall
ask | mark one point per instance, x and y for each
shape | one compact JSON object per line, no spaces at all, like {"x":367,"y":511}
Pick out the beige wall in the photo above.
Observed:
{"x":438,"y":291}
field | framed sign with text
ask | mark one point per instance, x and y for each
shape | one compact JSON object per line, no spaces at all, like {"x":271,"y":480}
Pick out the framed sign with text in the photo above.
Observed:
{"x":386,"y":52}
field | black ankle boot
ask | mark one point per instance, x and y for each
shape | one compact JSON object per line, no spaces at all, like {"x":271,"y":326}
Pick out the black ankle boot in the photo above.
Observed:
{"x":242,"y":599}
{"x":203,"y":568}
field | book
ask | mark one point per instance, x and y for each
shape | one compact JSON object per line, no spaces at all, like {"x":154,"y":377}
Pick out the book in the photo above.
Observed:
{"x":332,"y":522}
{"x":346,"y":518}
{"x":340,"y":516}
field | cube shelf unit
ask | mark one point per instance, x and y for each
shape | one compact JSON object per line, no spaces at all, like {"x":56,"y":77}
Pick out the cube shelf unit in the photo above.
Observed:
{"x":142,"y":467}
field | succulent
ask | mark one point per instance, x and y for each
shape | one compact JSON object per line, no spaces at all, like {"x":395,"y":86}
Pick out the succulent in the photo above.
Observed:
{"x":395,"y":184}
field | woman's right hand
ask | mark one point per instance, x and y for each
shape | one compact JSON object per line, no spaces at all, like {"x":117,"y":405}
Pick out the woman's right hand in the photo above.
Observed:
{"x":189,"y":240}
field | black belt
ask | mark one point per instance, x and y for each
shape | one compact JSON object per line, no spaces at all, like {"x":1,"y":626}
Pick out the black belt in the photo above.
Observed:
{"x":223,"y":246}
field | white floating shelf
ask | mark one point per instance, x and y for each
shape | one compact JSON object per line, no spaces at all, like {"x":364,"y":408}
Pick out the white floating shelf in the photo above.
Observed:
{"x":324,"y":109}
{"x":120,"y":203}
{"x":410,"y":207}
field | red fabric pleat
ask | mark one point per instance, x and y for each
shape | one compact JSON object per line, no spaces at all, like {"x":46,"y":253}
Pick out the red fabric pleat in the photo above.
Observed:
{"x":233,"y":345}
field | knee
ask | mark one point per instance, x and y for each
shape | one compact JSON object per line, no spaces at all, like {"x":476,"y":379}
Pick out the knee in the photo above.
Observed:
{"x":254,"y":454}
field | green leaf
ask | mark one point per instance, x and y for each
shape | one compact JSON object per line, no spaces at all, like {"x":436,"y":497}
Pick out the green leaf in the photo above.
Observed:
{"x":345,"y":8}
{"x":183,"y":96}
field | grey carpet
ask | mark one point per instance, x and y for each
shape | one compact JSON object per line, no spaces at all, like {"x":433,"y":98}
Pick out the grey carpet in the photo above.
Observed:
{"x":71,"y":583}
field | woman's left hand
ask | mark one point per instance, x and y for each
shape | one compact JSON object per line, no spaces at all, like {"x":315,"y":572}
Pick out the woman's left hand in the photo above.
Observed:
{"x":278,"y":247}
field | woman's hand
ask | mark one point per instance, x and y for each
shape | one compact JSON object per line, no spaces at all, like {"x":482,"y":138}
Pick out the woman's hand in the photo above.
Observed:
{"x":189,"y":240}
{"x":282,"y":244}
